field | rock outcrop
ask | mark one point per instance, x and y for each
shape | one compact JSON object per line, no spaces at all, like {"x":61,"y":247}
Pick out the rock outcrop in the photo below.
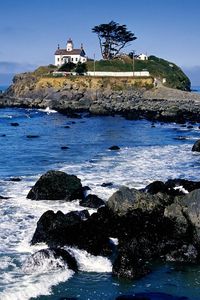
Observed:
{"x":57,"y":185}
{"x":159,"y":222}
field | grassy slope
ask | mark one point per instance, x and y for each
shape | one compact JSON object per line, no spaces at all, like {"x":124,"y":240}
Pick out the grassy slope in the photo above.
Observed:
{"x":157,"y":67}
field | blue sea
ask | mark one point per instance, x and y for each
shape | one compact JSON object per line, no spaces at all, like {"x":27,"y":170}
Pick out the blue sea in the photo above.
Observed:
{"x":146,"y":153}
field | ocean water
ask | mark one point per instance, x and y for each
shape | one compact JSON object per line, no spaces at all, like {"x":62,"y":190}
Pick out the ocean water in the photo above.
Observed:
{"x":146,"y":153}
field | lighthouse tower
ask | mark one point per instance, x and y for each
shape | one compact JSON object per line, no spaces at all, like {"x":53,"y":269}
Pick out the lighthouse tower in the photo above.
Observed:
{"x":70,"y":45}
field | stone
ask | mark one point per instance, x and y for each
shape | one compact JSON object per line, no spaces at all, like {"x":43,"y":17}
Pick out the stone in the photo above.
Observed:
{"x":15,"y":124}
{"x":107,"y":184}
{"x":196,"y":146}
{"x":51,"y":226}
{"x":191,"y":210}
{"x":92,"y":201}
{"x":114,"y":148}
{"x":180,"y":187}
{"x":156,"y":187}
{"x":57,"y":258}
{"x":57,"y":185}
{"x":126,"y":200}
{"x":15,"y":179}
{"x":32,"y":136}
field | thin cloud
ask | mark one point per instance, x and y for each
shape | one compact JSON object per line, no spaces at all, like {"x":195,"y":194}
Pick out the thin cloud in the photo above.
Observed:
{"x":193,"y":73}
{"x":14,"y":67}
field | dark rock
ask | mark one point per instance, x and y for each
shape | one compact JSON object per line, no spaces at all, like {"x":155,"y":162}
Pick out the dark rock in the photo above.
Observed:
{"x":67,"y":126}
{"x":86,"y":188}
{"x":57,"y":185}
{"x":190,"y":126}
{"x":106,"y":184}
{"x":72,"y":229}
{"x":180,"y":187}
{"x":156,"y":187}
{"x":14,"y":124}
{"x":191,"y":209}
{"x":150,"y":296}
{"x":64,"y":147}
{"x":2,"y":197}
{"x":3,"y":135}
{"x":51,"y":223}
{"x":172,"y":187}
{"x":114,"y":148}
{"x":16,"y":179}
{"x":129,"y":263}
{"x":92,"y":201}
{"x":37,"y":259}
{"x":180,"y":138}
{"x":126,"y":200}
{"x":31,"y":136}
{"x":186,"y":254}
{"x":196,"y":146}
{"x":147,"y":226}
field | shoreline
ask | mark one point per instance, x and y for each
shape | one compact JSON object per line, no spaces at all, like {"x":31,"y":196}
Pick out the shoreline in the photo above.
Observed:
{"x":157,"y":104}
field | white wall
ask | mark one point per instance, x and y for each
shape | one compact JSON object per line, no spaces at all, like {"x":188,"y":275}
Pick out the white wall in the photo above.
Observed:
{"x":119,"y":74}
{"x":74,"y":58}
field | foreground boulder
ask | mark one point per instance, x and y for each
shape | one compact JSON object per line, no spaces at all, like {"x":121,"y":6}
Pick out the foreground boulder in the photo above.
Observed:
{"x":148,"y":226}
{"x":57,"y":185}
{"x":73,"y":229}
{"x":154,"y":226}
{"x":51,"y":258}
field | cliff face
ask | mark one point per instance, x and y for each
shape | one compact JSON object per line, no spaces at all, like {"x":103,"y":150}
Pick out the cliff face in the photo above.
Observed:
{"x":28,"y":85}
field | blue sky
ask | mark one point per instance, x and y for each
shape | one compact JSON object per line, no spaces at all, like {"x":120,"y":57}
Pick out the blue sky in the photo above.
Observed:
{"x":31,"y":30}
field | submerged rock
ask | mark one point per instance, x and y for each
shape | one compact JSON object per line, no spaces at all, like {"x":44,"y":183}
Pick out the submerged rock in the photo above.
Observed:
{"x":114,"y":148}
{"x":51,"y":258}
{"x":107,"y":184}
{"x":32,"y":136}
{"x":150,"y":296}
{"x":15,"y":124}
{"x":57,"y":185}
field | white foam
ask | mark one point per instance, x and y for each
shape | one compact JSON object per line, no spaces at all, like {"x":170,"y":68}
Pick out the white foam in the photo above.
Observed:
{"x":114,"y":241}
{"x":48,"y":110}
{"x":91,"y":263}
{"x":181,"y":189}
{"x":136,"y":167}
{"x":28,"y":286}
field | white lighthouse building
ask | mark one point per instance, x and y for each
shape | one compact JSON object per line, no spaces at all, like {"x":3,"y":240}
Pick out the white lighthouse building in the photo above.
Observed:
{"x":69,"y":54}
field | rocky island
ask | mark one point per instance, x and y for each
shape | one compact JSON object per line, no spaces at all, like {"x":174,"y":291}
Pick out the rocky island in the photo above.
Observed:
{"x":132,"y":97}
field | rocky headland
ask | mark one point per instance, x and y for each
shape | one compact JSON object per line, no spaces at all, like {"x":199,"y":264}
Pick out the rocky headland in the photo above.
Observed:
{"x":160,"y":222}
{"x":131,"y":97}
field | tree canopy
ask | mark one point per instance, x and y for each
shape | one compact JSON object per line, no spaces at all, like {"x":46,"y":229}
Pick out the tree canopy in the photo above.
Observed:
{"x":113,"y":37}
